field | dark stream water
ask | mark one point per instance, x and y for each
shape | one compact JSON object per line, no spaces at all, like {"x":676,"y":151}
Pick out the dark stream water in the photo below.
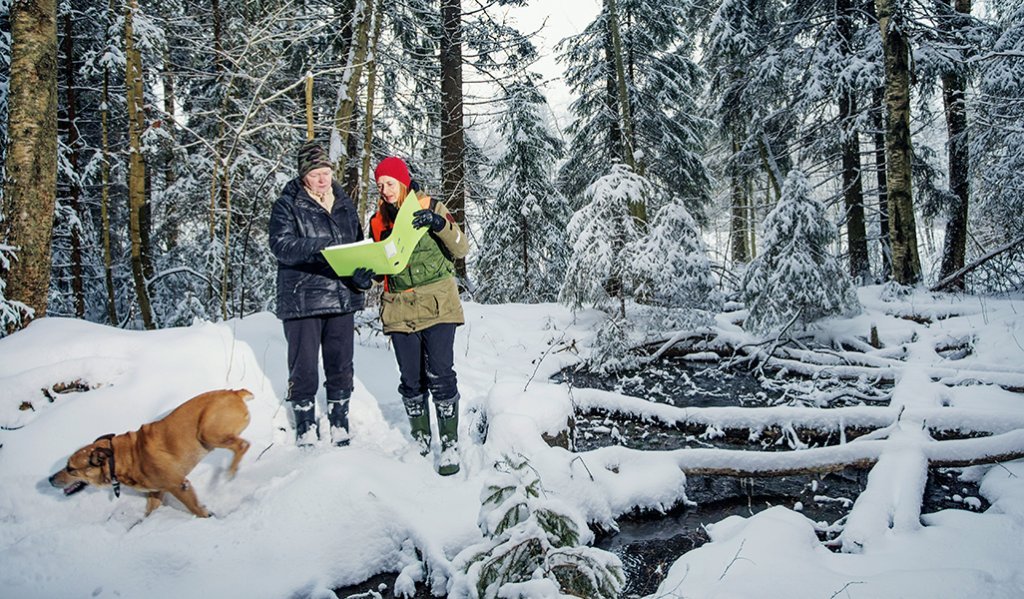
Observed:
{"x":648,"y":543}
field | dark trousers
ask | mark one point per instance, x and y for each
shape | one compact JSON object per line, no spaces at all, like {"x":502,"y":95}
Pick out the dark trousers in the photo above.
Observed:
{"x":425,"y":360}
{"x":307,"y":337}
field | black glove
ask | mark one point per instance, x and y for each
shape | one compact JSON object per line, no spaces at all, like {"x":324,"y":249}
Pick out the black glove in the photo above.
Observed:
{"x":362,"y":278}
{"x":428,"y":218}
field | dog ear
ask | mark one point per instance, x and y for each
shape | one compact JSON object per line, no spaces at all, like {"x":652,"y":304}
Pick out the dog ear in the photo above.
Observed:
{"x":99,"y":456}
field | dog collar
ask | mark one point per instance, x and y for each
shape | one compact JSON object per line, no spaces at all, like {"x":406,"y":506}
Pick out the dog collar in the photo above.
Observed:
{"x":113,"y":474}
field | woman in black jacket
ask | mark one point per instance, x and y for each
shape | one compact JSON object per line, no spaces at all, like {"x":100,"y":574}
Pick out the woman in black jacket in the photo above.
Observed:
{"x":316,"y":307}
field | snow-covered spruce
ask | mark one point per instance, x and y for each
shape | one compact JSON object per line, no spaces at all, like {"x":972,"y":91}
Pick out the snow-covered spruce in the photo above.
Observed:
{"x":996,"y":187}
{"x":598,"y":272}
{"x":795,"y":279}
{"x":523,"y":251}
{"x":670,"y":269}
{"x":599,"y":232}
{"x":662,"y":89}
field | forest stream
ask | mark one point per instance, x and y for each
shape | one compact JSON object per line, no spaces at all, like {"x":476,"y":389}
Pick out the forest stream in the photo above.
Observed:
{"x":648,"y":542}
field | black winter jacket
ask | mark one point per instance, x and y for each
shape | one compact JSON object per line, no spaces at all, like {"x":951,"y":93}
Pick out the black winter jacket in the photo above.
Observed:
{"x":299,"y":228}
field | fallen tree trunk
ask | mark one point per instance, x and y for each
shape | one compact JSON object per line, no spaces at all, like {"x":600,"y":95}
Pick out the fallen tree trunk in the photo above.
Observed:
{"x":750,"y":423}
{"x":960,"y":274}
{"x":958,"y":453}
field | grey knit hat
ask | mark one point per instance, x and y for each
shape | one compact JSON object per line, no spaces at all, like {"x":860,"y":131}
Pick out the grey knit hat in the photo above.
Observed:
{"x":312,"y":156}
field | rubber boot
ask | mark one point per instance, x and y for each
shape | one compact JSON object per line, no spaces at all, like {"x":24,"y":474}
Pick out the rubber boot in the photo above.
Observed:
{"x":306,"y":431}
{"x":419,"y":421}
{"x":448,"y":430}
{"x":337,"y":414}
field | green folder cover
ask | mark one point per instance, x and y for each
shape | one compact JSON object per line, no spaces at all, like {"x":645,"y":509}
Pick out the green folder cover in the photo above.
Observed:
{"x":385,"y":257}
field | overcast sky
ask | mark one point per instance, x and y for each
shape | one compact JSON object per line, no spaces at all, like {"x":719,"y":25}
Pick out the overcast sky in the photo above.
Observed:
{"x":564,"y":18}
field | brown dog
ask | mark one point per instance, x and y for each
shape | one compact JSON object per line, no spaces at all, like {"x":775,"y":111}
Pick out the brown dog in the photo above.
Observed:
{"x":157,"y":457}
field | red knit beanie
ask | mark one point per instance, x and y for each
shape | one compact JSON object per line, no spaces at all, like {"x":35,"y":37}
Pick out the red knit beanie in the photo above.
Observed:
{"x":393,"y":167}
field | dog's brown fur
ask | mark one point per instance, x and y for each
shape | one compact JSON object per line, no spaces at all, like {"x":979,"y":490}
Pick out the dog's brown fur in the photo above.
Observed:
{"x":158,"y":457}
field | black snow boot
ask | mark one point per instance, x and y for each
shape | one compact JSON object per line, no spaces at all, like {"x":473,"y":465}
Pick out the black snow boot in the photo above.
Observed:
{"x":448,"y":430}
{"x":419,"y":421}
{"x":306,"y":431}
{"x":337,"y":414}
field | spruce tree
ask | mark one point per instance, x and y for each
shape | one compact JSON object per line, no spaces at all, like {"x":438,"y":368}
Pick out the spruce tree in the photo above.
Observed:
{"x":747,"y":102}
{"x":523,"y":252}
{"x":795,"y":279}
{"x":599,"y":233}
{"x":670,"y":268}
{"x":997,"y":140}
{"x":663,"y":85}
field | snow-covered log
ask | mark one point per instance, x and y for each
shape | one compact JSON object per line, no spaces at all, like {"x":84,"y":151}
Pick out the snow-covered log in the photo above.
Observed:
{"x":849,"y":421}
{"x":862,"y":454}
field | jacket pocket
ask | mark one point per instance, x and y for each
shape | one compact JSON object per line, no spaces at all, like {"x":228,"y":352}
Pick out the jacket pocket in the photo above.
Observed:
{"x":409,"y":309}
{"x":447,"y":303}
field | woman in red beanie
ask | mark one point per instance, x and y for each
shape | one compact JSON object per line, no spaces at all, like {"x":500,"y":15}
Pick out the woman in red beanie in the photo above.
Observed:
{"x":420,"y":309}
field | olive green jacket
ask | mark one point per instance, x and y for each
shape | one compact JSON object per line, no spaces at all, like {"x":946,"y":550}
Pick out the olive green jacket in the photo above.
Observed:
{"x":425,"y":292}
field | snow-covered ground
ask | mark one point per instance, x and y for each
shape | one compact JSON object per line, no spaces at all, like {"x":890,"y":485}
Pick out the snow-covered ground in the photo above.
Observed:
{"x":297,"y":523}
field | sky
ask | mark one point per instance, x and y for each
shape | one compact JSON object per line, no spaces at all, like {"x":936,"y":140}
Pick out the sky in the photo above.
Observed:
{"x":554,"y":21}
{"x":298,"y":523}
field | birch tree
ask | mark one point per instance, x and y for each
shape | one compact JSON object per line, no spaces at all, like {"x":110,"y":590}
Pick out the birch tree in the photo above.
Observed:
{"x":31,"y":160}
{"x":136,"y":166}
{"x":906,"y":263}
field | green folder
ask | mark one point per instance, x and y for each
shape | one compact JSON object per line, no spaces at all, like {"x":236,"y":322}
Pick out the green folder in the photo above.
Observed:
{"x":386,"y":257}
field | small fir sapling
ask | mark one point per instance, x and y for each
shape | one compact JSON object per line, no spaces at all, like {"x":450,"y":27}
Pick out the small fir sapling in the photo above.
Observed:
{"x":599,"y":232}
{"x":532,"y":544}
{"x":795,"y":279}
{"x":671,"y":270}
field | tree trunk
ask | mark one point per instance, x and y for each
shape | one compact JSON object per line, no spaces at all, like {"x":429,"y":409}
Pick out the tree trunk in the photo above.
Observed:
{"x":170,"y":174}
{"x":878,"y":111}
{"x":108,"y":258}
{"x":953,"y":86}
{"x":74,"y":159}
{"x":136,"y":164}
{"x":906,"y":264}
{"x":740,"y":213}
{"x":611,"y":101}
{"x":344,"y":123}
{"x":226,"y":277}
{"x":30,"y":192}
{"x":621,"y":91}
{"x":310,"y":132}
{"x":853,"y":190}
{"x":221,"y":165}
{"x":453,"y":142}
{"x":371,"y":90}
{"x":637,"y":209}
{"x":524,"y":223}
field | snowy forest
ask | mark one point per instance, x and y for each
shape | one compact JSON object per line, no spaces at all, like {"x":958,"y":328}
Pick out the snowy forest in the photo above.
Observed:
{"x":825,"y":196}
{"x":157,"y":136}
